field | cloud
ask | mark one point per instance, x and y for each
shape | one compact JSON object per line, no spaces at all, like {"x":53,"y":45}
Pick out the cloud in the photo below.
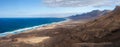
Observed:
{"x":117,"y":2}
{"x":80,"y":3}
{"x":109,"y":3}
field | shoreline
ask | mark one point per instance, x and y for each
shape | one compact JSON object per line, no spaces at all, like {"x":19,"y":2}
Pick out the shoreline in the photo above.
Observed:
{"x":28,"y":29}
{"x":65,"y":23}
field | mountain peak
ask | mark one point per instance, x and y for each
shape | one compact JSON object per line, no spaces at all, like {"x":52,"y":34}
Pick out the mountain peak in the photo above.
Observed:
{"x":116,"y":11}
{"x":96,"y":11}
{"x":89,"y":15}
{"x":117,"y":8}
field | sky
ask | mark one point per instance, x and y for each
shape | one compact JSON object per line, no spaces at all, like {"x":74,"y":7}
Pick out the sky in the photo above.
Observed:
{"x":52,"y":8}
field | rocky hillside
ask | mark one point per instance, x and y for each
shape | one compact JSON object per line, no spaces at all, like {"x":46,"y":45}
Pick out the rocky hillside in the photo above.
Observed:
{"x":102,"y":32}
{"x":90,"y":15}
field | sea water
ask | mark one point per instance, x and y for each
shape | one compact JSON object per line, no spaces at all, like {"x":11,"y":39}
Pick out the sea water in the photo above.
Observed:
{"x":17,"y":25}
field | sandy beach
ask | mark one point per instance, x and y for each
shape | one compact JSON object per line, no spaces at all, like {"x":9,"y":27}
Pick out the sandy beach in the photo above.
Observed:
{"x":32,"y":39}
{"x":63,"y":24}
{"x":101,"y":32}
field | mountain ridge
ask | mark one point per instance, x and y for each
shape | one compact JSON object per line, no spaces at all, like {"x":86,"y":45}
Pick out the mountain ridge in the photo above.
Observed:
{"x":89,"y":15}
{"x":101,"y":32}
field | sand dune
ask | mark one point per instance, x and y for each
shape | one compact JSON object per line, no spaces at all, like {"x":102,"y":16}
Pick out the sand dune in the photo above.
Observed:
{"x":32,"y":40}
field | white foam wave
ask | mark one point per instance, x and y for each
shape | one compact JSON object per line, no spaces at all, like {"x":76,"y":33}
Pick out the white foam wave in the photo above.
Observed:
{"x":29,"y":28}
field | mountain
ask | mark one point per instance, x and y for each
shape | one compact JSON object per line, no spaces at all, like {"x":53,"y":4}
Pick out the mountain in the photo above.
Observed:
{"x":101,"y":32}
{"x":89,"y":15}
{"x":105,"y":29}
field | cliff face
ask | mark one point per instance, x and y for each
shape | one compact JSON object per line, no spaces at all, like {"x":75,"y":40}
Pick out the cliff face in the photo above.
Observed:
{"x":102,"y":32}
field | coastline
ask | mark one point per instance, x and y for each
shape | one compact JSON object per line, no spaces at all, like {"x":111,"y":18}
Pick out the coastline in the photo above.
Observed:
{"x":65,"y":23}
{"x":28,"y":29}
{"x":38,"y":34}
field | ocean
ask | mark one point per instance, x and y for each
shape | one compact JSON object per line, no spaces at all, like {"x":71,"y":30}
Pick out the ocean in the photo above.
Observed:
{"x":15,"y":25}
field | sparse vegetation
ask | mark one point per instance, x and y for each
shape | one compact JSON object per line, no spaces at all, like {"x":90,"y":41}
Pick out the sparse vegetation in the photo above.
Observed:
{"x":102,"y":32}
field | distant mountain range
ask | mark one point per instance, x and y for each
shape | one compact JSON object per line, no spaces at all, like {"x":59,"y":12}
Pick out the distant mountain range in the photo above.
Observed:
{"x":90,"y":15}
{"x":101,"y":32}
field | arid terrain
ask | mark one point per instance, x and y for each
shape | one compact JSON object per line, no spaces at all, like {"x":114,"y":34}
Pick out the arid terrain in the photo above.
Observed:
{"x":101,"y":32}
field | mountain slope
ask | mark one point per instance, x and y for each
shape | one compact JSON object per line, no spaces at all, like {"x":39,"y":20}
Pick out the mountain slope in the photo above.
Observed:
{"x":89,"y":15}
{"x":103,"y":29}
{"x":102,"y":32}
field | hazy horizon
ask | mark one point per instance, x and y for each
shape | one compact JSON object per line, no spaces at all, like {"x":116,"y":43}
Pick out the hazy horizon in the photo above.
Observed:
{"x":52,"y":8}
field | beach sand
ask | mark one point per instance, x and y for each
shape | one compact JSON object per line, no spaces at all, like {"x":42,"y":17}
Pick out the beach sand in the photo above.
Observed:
{"x":32,"y":37}
{"x":32,"y":40}
{"x":63,"y":24}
